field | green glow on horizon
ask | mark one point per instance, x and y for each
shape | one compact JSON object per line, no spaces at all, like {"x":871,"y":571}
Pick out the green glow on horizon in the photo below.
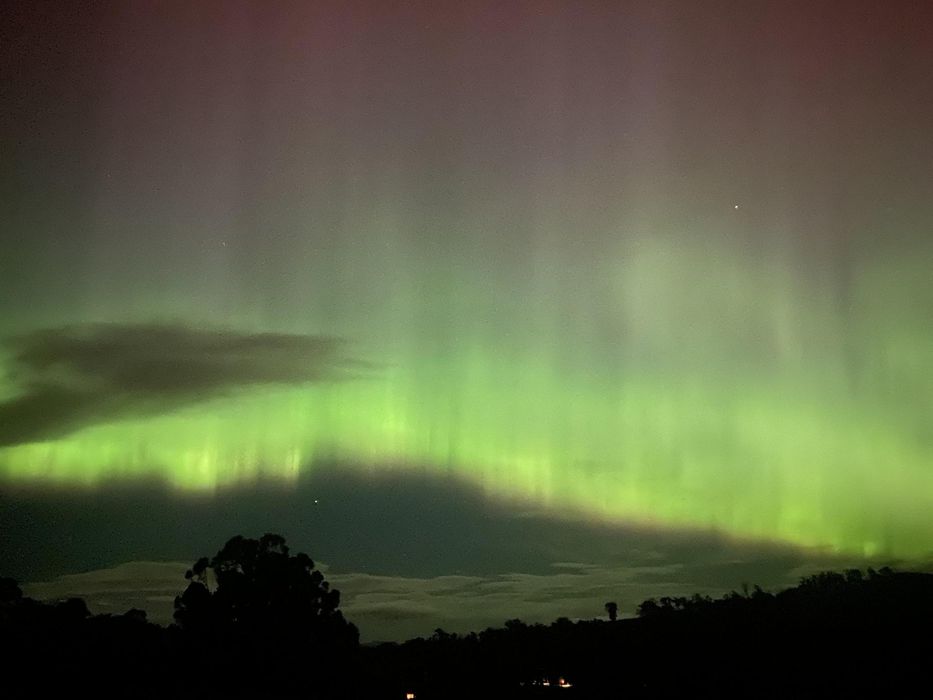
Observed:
{"x":735,"y":403}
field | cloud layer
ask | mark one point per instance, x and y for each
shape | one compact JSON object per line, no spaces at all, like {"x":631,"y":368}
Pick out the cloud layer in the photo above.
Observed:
{"x":401,"y":607}
{"x":77,"y":376}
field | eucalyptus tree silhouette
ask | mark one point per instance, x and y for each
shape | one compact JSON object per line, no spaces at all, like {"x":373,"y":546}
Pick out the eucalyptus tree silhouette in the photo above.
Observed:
{"x":257,"y":597}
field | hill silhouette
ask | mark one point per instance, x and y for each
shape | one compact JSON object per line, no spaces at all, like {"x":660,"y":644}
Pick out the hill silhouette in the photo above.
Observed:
{"x":256,"y":620}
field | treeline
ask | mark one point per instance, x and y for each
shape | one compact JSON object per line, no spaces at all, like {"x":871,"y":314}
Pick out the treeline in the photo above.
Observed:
{"x":257,"y":621}
{"x":834,"y":634}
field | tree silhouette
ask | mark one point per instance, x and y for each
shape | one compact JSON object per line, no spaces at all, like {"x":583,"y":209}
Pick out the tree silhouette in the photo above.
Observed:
{"x":254,"y":589}
{"x":10,"y":592}
{"x":613,"y":610}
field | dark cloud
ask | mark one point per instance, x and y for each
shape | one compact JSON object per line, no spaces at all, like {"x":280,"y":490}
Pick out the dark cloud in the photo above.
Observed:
{"x":77,"y":376}
{"x":409,"y":524}
{"x":409,"y":551}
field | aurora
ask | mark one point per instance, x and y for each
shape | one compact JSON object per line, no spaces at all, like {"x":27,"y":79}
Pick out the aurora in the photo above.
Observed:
{"x":631,"y":266}
{"x":728,"y":408}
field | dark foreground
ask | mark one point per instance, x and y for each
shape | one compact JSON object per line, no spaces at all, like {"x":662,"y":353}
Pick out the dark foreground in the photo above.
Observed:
{"x":833,"y":635}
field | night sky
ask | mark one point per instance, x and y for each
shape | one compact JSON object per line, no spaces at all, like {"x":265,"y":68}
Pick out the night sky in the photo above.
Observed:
{"x":496,"y":309}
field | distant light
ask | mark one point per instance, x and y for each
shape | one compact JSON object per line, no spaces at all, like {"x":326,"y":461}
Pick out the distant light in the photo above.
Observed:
{"x":409,"y":696}
{"x":736,"y":206}
{"x":315,"y":500}
{"x":562,"y":682}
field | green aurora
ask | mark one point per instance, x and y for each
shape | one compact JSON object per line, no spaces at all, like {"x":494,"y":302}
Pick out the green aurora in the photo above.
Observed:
{"x":732,"y":400}
{"x":647,"y":264}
